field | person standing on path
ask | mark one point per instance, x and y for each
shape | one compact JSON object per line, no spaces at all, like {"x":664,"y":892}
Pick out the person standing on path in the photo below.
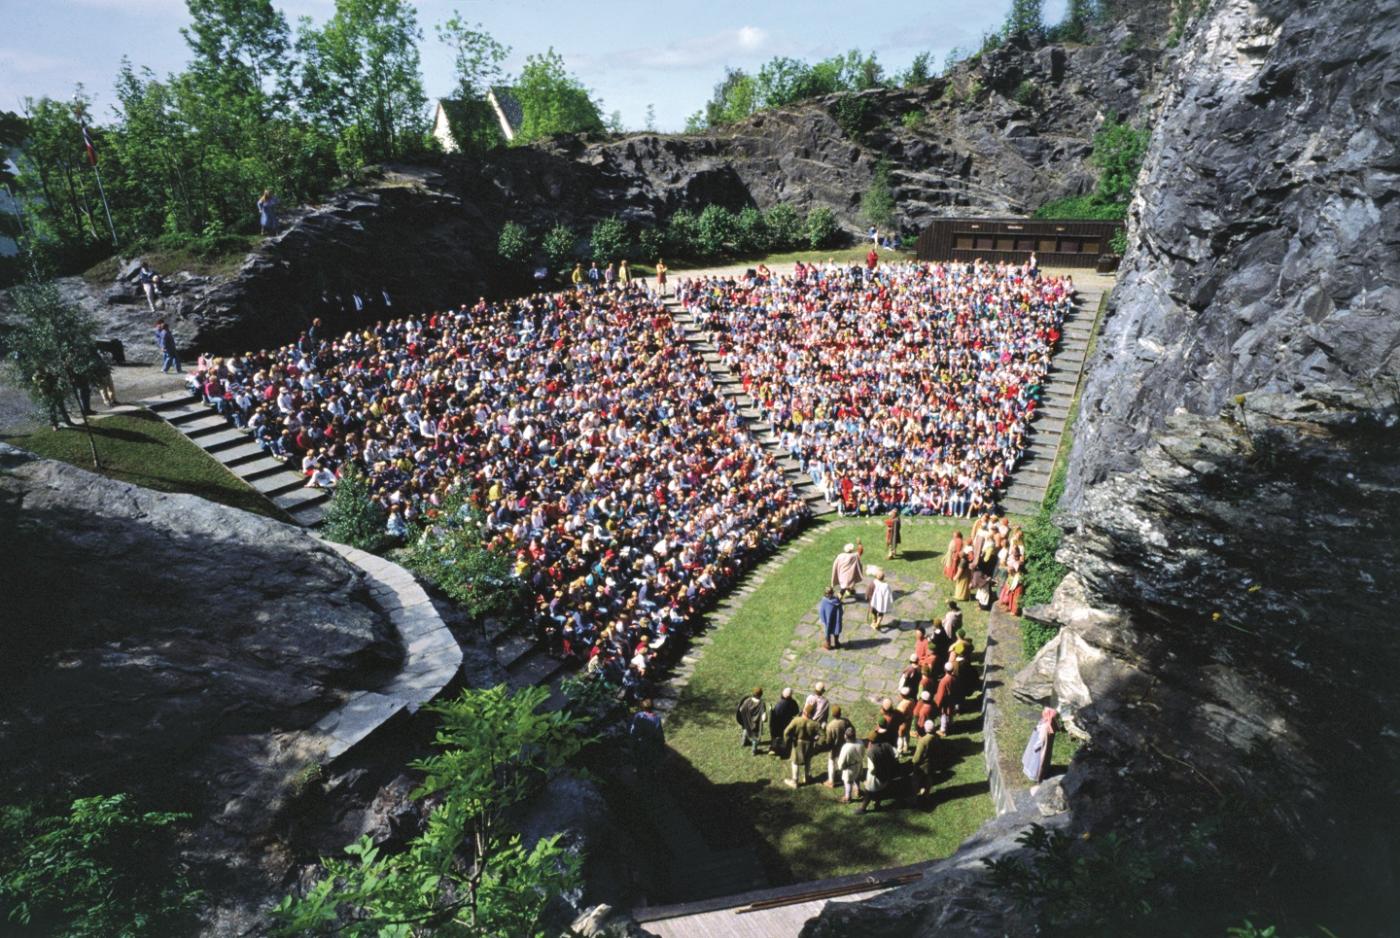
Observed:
{"x":881,"y":601}
{"x":849,"y":762}
{"x":267,"y":212}
{"x":165,"y":341}
{"x":831,"y":612}
{"x":752,"y":714}
{"x":801,"y":736}
{"x":782,"y":714}
{"x":846,"y":570}
{"x":624,"y":274}
{"x":817,"y":703}
{"x":661,"y":276}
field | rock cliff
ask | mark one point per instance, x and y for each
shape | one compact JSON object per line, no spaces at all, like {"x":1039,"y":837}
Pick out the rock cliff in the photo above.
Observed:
{"x":1226,"y":645}
{"x":176,"y":649}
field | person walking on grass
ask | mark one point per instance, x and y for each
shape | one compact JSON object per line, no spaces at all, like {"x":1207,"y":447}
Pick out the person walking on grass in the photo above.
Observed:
{"x":849,"y":762}
{"x":836,"y":729}
{"x":752,"y":714}
{"x":831,"y":612}
{"x":782,"y":714}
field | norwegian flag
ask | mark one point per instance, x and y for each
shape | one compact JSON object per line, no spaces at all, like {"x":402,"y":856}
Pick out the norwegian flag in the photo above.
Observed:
{"x":87,"y":145}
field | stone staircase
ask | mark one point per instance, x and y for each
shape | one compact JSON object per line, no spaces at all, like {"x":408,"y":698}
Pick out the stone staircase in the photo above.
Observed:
{"x":701,"y":341}
{"x":1032,"y":475}
{"x":279,"y":482}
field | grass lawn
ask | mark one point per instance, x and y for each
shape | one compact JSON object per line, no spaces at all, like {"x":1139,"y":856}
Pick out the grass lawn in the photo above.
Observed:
{"x":142,"y":449}
{"x":737,"y":799}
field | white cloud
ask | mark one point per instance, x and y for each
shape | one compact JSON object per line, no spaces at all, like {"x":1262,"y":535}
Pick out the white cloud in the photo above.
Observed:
{"x":700,"y":52}
{"x":23,"y":62}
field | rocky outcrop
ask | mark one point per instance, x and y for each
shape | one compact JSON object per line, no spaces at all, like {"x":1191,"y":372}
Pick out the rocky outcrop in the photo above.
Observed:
{"x":179,"y":650}
{"x":1265,"y":241}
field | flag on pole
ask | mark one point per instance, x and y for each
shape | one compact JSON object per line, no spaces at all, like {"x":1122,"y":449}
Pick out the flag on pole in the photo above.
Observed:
{"x":87,"y":145}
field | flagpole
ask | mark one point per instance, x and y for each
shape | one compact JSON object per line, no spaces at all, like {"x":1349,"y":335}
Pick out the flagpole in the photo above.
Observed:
{"x":105,"y":207}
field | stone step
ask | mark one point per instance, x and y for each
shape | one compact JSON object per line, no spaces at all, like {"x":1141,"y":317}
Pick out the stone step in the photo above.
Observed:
{"x":259,"y":467}
{"x":278,"y":483}
{"x":538,"y":667}
{"x":210,"y":422}
{"x":236,"y":456}
{"x":511,"y":647}
{"x":308,"y":514}
{"x":300,"y":496}
{"x":180,"y":413}
{"x":221,"y":439}
{"x":169,"y":400}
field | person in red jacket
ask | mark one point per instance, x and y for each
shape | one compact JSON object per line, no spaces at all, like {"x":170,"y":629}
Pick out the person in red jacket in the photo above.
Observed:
{"x":945,"y":700}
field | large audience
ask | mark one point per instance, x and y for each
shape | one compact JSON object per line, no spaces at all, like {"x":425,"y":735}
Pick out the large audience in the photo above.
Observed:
{"x":582,"y":427}
{"x":905,"y":387}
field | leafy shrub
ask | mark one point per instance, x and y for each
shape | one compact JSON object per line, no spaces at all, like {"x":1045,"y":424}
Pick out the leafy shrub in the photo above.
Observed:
{"x":1118,"y":151}
{"x":354,"y":517}
{"x":853,"y":114}
{"x":102,"y":869}
{"x":1080,"y":206}
{"x":715,"y":230}
{"x":751,"y":232}
{"x":1118,"y":242}
{"x":651,"y":243}
{"x":785,"y":229}
{"x":514,"y":243}
{"x":683,"y":234}
{"x":821,"y":229}
{"x":609,"y":240}
{"x":559,"y":244}
{"x":912,"y":119}
{"x":450,"y":554}
{"x":878,"y":202}
{"x":1027,"y":93}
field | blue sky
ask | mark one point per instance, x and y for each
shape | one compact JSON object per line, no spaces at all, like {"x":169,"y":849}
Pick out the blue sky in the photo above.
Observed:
{"x":630,"y":54}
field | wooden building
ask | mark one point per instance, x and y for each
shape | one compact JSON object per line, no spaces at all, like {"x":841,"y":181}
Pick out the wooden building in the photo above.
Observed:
{"x":1055,"y":243}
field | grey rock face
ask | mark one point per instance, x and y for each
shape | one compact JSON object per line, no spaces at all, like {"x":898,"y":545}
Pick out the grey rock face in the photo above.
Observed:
{"x":1265,"y":241}
{"x":176,"y":649}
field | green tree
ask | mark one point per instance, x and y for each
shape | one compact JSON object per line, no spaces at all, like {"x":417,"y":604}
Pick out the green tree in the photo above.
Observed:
{"x":649,"y":125}
{"x":751,"y":233}
{"x":53,"y":352}
{"x":1118,"y":151}
{"x":683,"y":235}
{"x":496,"y":749}
{"x":783,"y":81}
{"x":559,"y":246}
{"x":715,"y":230}
{"x":361,"y":81}
{"x":477,"y":58}
{"x":354,"y":517}
{"x":651,"y":243}
{"x":552,"y":101}
{"x":1024,"y":18}
{"x":734,"y":98}
{"x":609,"y":240}
{"x":100,"y":870}
{"x":878,"y":203}
{"x":514,"y":243}
{"x":1079,"y":16}
{"x":919,"y":72}
{"x":785,"y":227}
{"x":58,"y":187}
{"x":821,"y":229}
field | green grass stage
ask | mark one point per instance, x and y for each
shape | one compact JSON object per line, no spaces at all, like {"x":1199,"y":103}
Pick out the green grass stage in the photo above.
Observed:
{"x":734,"y":798}
{"x":142,"y":449}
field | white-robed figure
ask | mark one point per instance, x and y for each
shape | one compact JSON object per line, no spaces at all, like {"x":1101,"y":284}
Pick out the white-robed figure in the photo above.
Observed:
{"x":846,"y":570}
{"x":1035,"y":761}
{"x":881,"y":599}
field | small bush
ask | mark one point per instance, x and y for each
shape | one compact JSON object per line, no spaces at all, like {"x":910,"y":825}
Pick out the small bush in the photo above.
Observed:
{"x":751,"y":233}
{"x":853,"y":114}
{"x":1118,"y":243}
{"x":651,"y":243}
{"x":1027,"y":94}
{"x":354,"y":517}
{"x":785,"y":229}
{"x":682,"y":234}
{"x":559,"y":244}
{"x":912,"y":119}
{"x":609,"y":240}
{"x":514,"y":243}
{"x":450,"y":554}
{"x":715,"y":230}
{"x":1085,"y":207}
{"x":878,"y":203}
{"x":821,"y":229}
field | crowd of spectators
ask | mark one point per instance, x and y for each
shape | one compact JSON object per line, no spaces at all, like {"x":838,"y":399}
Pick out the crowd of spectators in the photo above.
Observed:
{"x":580,"y":426}
{"x":906,"y":386}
